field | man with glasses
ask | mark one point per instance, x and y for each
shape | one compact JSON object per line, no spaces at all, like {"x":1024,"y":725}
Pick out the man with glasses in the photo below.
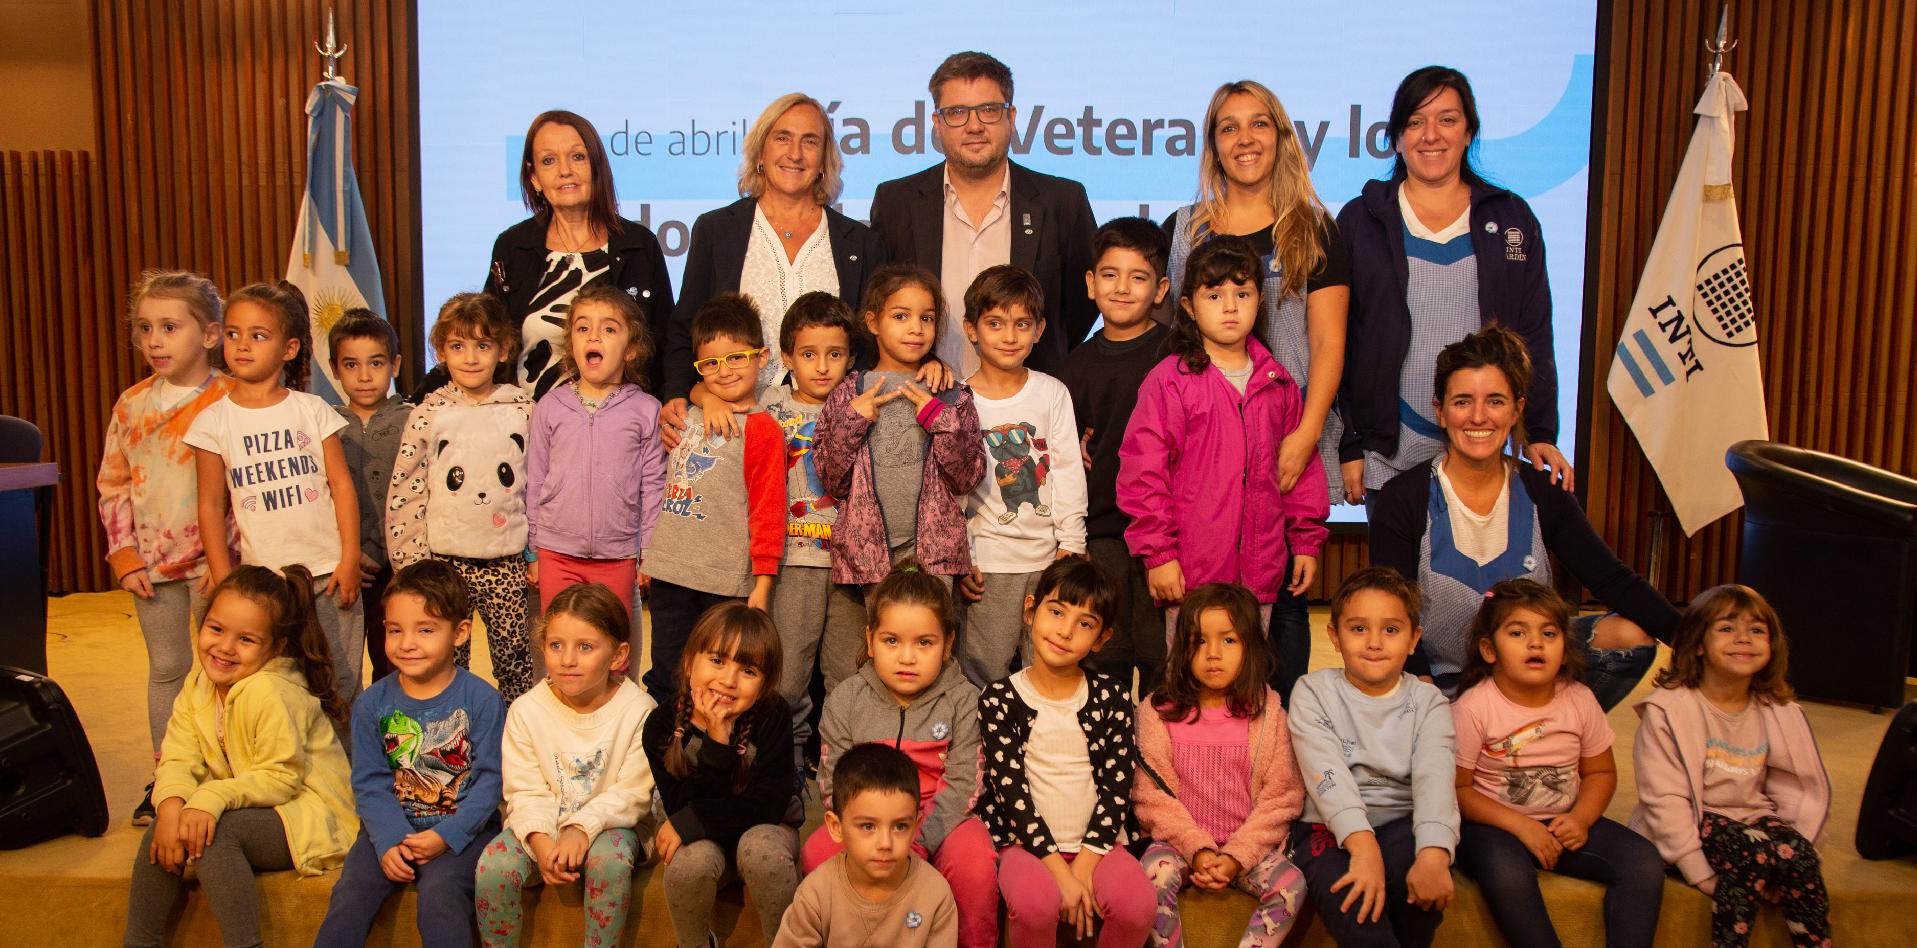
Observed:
{"x":978,"y":209}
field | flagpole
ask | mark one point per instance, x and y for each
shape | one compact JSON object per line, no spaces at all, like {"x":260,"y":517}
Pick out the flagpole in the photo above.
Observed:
{"x":332,"y":51}
{"x":1660,"y":516}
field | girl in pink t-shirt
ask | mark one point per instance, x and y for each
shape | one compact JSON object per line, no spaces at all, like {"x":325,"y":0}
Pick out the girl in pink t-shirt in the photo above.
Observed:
{"x":1217,"y":787}
{"x":1535,"y":773}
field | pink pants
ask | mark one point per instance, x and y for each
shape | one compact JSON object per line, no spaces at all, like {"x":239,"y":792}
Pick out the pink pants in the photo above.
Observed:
{"x":557,"y":571}
{"x":966,"y":861}
{"x":1125,"y":898}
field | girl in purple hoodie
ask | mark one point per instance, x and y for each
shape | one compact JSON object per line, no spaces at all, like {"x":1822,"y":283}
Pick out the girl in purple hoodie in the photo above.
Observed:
{"x":595,"y":473}
{"x":1730,"y":785}
{"x":1198,"y":469}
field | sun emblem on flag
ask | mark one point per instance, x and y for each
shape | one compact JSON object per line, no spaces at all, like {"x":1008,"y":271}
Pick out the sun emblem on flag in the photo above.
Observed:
{"x":329,"y":304}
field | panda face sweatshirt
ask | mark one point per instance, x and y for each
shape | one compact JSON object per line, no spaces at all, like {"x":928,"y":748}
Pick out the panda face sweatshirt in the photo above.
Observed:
{"x":459,"y":483}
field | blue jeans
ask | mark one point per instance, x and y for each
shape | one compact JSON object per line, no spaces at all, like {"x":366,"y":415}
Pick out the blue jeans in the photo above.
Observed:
{"x":675,"y":610}
{"x":1290,"y":635}
{"x":1317,"y":854}
{"x":445,"y":895}
{"x":1626,"y":864}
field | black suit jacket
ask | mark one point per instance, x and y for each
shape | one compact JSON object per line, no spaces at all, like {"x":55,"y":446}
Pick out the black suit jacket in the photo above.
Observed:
{"x":1052,"y":230}
{"x":715,"y":257}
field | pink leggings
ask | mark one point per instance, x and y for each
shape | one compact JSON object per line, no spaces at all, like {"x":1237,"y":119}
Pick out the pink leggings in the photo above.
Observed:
{"x":1125,"y":898}
{"x":557,"y":571}
{"x":966,"y":861}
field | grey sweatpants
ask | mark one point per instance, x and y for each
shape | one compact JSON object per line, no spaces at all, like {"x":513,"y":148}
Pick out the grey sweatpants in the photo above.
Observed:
{"x":767,"y":861}
{"x":817,"y":619}
{"x":345,"y":634}
{"x":170,"y":621}
{"x":993,"y":628}
{"x":244,"y":840}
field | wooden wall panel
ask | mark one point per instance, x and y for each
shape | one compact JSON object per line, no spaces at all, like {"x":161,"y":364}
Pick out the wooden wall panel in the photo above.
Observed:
{"x":62,"y":344}
{"x":1827,"y":195}
{"x":199,"y":164}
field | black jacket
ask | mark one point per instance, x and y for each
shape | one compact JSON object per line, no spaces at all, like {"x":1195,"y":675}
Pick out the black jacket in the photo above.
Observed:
{"x":519,"y":260}
{"x":716,"y":256}
{"x":1052,"y":230}
{"x":1512,"y":290}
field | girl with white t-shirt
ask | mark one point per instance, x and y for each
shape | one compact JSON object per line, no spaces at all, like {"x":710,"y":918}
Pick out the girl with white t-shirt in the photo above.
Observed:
{"x":270,"y":452}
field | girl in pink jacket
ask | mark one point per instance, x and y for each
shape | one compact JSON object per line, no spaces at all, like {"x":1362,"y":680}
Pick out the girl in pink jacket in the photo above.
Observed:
{"x":1729,"y":782}
{"x":1198,"y":469}
{"x":1217,"y":787}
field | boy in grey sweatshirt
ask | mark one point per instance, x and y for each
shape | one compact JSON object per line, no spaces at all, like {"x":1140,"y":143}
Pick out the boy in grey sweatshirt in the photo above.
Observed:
{"x":1376,"y":750}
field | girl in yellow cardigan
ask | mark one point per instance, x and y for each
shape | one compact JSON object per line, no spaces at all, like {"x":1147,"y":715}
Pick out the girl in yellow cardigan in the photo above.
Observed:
{"x":251,"y":773}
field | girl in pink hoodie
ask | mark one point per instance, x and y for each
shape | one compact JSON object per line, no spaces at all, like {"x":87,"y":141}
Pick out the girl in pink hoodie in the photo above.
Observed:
{"x":1198,"y":469}
{"x":1729,"y":782}
{"x":1217,"y":787}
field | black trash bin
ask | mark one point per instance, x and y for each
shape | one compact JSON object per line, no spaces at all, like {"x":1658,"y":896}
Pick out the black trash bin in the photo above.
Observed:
{"x":1832,"y":543}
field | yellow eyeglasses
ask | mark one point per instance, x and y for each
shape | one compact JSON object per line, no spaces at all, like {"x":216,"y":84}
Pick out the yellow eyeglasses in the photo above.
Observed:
{"x":732,"y":360}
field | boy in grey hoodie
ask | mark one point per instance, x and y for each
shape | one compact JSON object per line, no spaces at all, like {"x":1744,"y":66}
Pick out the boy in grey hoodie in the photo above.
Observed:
{"x":1376,"y":749}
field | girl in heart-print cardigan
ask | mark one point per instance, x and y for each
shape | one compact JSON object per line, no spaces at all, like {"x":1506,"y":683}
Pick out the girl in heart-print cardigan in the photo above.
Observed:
{"x":1005,"y":796}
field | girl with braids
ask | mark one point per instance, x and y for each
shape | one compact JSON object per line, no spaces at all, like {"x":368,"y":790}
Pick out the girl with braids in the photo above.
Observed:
{"x":578,"y":785}
{"x":270,"y":453}
{"x":252,"y":775}
{"x":721,"y":757}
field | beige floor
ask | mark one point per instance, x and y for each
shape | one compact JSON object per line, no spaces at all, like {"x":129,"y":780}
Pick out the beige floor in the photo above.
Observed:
{"x":96,"y":654}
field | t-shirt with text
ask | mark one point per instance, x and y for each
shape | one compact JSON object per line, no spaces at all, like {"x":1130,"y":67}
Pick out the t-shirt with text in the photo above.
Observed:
{"x":275,"y":463}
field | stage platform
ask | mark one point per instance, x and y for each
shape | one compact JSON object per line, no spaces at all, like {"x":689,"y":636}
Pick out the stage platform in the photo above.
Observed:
{"x":72,"y":891}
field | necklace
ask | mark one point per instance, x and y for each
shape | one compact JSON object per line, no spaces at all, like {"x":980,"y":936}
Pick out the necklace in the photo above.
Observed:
{"x":786,"y":232}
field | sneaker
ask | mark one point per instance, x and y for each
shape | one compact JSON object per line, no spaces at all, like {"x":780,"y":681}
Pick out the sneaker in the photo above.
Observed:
{"x":143,"y":814}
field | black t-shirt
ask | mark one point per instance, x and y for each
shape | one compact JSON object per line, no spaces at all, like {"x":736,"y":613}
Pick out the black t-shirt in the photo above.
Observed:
{"x":1103,"y":378}
{"x":1334,"y":271}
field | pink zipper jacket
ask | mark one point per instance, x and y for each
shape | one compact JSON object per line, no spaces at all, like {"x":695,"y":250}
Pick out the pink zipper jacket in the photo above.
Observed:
{"x":1277,"y":792}
{"x":1198,"y":475}
{"x":1669,"y":758}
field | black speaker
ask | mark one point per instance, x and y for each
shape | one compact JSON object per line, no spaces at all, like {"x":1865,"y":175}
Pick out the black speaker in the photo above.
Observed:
{"x":1887,"y":819}
{"x":49,"y":783}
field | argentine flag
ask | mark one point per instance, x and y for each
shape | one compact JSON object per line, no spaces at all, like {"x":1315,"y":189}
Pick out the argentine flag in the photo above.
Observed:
{"x":332,"y":259}
{"x":1686,"y":376}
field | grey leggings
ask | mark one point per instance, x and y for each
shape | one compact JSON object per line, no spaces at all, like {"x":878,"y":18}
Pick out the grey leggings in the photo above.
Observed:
{"x":994,"y":640}
{"x":345,"y":631}
{"x":768,"y":862}
{"x":243,"y":841}
{"x":169,"y":621}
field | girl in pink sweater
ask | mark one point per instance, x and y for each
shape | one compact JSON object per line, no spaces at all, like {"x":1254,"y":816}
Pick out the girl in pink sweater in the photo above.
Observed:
{"x":1730,"y":786}
{"x":1217,"y":788}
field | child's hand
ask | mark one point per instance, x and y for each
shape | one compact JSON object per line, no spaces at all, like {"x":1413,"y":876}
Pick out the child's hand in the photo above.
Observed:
{"x":1221,"y":870}
{"x":934,"y":375}
{"x":1299,"y":448}
{"x":718,"y":415}
{"x":1365,"y":878}
{"x":137,"y":584}
{"x":570,"y":853}
{"x":196,"y":831}
{"x":344,"y":586}
{"x":672,"y":422}
{"x":214,"y":575}
{"x":423,"y":846}
{"x":1428,"y":885}
{"x":644,"y":583}
{"x":393,"y":863}
{"x":1708,"y":886}
{"x":1202,"y":863}
{"x":1166,"y":581}
{"x":1085,"y":447}
{"x":868,"y":402}
{"x":760,"y":599}
{"x":1353,"y":474}
{"x":1304,"y":569}
{"x":1543,"y":843}
{"x":917,"y":393}
{"x":204,"y":584}
{"x":972,"y":585}
{"x":367,"y":570}
{"x":166,"y":849}
{"x":717,"y":714}
{"x":532,"y":573}
{"x":1075,"y":905}
{"x":666,"y":842}
{"x":1570,"y":830}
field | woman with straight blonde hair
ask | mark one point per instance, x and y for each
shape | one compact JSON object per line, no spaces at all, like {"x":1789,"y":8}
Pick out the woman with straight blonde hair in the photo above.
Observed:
{"x":1254,"y":182}
{"x":778,"y":242}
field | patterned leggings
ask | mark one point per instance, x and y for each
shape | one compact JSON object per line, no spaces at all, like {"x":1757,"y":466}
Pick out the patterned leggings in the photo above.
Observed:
{"x":1277,"y":885}
{"x":1763,"y":861}
{"x":506,"y":868}
{"x":498,"y":590}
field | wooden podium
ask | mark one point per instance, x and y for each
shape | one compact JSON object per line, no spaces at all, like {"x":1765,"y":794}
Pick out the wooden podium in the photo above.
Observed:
{"x":23,"y":585}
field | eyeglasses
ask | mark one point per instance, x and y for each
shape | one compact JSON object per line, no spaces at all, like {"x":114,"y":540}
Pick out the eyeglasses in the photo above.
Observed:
{"x":988,"y":113}
{"x":733,"y":360}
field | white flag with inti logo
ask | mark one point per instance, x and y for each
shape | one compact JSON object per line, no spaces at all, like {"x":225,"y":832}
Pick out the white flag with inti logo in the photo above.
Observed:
{"x":1686,"y":376}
